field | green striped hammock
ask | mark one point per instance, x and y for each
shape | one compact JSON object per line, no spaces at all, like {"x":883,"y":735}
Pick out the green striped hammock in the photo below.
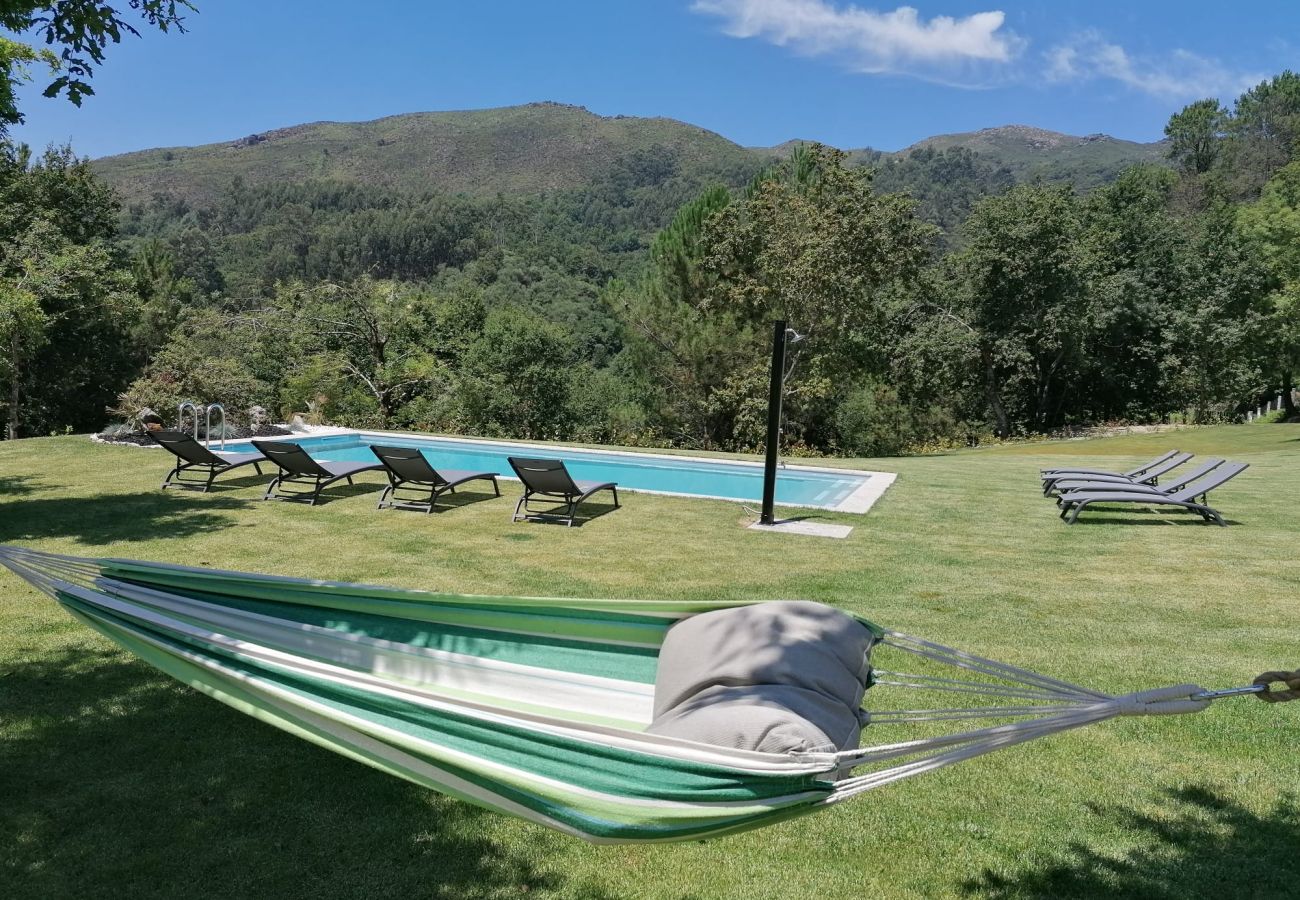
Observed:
{"x":536,"y":707}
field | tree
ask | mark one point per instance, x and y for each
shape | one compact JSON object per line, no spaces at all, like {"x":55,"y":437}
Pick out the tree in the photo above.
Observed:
{"x":815,"y":245}
{"x":51,"y":286}
{"x":1273,"y":222}
{"x":377,"y":333}
{"x":514,"y":380}
{"x":1019,"y":290}
{"x":1136,"y":261}
{"x":1195,"y":135}
{"x":1217,"y":340}
{"x":680,"y":351}
{"x":66,"y":298}
{"x":1264,"y":133}
{"x":81,"y":30}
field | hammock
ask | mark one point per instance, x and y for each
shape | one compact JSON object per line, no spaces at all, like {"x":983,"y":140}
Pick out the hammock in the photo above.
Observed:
{"x":536,"y":707}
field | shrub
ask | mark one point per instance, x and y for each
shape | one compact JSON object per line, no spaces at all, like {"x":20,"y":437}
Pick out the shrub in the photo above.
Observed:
{"x":873,"y":421}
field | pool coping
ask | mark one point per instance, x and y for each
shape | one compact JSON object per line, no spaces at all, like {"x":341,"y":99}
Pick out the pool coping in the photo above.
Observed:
{"x":858,"y":502}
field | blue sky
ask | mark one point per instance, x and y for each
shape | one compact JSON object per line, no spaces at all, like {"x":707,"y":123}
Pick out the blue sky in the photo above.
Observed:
{"x":757,"y":71}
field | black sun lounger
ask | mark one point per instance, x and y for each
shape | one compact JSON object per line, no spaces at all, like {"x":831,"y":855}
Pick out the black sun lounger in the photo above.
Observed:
{"x":298,"y":468}
{"x":1074,"y":503}
{"x":409,"y":471}
{"x":1147,"y":474}
{"x":1170,"y":487}
{"x":548,"y":478}
{"x":191,"y":456}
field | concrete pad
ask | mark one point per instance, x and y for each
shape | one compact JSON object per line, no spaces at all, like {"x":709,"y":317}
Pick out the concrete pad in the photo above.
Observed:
{"x":810,"y":529}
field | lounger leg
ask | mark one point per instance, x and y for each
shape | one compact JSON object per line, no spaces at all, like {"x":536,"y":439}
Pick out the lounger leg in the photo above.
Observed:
{"x":212,"y":474}
{"x":522,"y":504}
{"x":383,"y":495}
{"x":496,"y":487}
{"x":614,"y":491}
{"x":1212,"y":515}
{"x":573,"y":509}
{"x":271,"y":488}
{"x":1074,"y":513}
{"x":174,"y":473}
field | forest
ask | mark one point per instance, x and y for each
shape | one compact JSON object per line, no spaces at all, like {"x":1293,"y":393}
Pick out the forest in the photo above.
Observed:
{"x":944,"y":301}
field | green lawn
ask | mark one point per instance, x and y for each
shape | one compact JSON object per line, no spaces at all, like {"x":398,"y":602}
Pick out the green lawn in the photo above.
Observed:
{"x":116,"y":781}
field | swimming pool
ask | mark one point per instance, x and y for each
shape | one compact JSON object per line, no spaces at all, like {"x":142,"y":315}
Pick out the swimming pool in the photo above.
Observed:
{"x":842,"y":490}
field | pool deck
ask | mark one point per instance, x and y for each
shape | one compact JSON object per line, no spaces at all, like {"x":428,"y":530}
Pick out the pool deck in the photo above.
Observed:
{"x":859,"y":502}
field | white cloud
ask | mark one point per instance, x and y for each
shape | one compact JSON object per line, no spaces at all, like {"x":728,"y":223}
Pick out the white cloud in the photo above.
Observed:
{"x":942,"y":48}
{"x":1178,"y":75}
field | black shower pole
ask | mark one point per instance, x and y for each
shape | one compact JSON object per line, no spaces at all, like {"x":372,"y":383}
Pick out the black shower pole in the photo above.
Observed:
{"x":773,"y":423}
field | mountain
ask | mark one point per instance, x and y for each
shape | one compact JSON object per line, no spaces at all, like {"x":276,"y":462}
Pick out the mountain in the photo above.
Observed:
{"x":1030,"y":152}
{"x":546,"y":147}
{"x":536,"y":148}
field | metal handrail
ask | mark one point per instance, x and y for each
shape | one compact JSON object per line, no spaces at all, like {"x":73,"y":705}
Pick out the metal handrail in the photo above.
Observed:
{"x":180,"y":417}
{"x":207,"y":438}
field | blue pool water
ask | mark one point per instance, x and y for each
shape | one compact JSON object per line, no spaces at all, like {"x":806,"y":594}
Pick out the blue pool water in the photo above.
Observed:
{"x":727,"y":480}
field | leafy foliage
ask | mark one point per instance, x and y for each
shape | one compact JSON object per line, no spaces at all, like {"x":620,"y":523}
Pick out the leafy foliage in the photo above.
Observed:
{"x":81,"y":30}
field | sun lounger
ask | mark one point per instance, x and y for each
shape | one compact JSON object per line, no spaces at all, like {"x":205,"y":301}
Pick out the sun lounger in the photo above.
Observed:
{"x":1146,"y":474}
{"x":1103,"y":484}
{"x":299,"y":469}
{"x":550,"y":480}
{"x":1074,"y":503}
{"x":1129,"y":474}
{"x":408,"y":471}
{"x":193,"y":457}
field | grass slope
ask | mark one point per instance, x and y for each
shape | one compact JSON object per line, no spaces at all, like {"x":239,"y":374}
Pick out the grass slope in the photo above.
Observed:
{"x":529,"y":149}
{"x":116,"y":780}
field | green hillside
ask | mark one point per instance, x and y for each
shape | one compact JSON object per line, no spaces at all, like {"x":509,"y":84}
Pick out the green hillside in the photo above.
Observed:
{"x":1035,"y":152}
{"x":540,"y":147}
{"x":547,"y":147}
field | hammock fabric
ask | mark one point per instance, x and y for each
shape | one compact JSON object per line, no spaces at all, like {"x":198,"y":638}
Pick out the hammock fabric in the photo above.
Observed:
{"x":529,"y":706}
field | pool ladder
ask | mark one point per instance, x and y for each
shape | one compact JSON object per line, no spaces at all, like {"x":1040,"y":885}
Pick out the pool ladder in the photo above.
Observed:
{"x":207,"y":418}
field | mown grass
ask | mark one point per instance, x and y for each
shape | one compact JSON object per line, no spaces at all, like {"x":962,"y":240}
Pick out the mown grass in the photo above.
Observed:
{"x":117,"y":781}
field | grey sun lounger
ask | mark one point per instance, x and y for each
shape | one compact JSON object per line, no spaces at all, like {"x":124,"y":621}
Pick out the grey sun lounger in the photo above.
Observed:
{"x":1129,"y":474}
{"x":1148,"y":473}
{"x":298,"y":468}
{"x":408,"y":471}
{"x":193,"y":457}
{"x":1099,"y":484}
{"x":550,"y":480}
{"x":1074,"y":503}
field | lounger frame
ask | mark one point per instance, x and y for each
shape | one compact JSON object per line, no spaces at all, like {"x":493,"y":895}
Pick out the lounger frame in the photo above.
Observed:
{"x":301,"y":477}
{"x":408,"y":471}
{"x":550,"y":480}
{"x":196,"y":459}
{"x":1185,"y":499}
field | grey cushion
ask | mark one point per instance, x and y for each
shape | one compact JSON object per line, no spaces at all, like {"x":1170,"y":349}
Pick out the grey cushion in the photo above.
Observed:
{"x":774,"y":677}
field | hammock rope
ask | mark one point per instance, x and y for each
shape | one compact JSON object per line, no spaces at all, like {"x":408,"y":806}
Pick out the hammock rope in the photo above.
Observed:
{"x":1269,"y":695}
{"x":537,"y":706}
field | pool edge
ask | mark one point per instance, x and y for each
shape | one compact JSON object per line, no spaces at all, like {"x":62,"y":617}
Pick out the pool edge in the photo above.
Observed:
{"x":858,"y":502}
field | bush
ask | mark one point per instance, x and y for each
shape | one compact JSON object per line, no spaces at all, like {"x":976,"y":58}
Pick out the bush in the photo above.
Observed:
{"x":873,"y":421}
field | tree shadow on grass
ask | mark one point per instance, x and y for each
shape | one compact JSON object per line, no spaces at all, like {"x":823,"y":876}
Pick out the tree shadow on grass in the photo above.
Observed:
{"x":18,"y":485}
{"x":118,"y":781}
{"x":1202,"y":846}
{"x":116,"y":517}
